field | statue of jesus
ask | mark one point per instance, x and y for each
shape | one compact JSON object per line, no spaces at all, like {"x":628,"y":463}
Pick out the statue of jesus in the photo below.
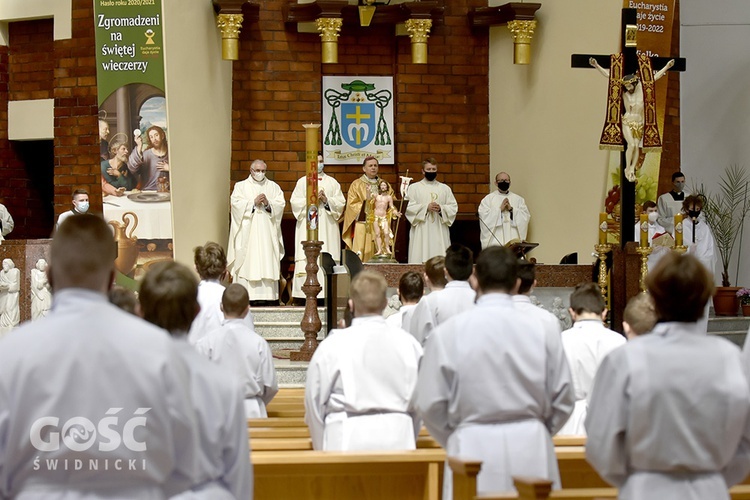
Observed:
{"x":633,"y":120}
{"x":383,"y":211}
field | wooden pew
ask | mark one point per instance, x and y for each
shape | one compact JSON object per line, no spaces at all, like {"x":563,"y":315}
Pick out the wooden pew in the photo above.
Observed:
{"x":406,"y":475}
{"x":465,"y":487}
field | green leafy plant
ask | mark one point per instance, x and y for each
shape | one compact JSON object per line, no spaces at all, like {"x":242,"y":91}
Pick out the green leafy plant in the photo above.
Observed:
{"x":725,"y":213}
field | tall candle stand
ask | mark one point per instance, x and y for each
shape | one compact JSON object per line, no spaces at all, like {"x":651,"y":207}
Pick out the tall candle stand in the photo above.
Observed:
{"x":602,"y":249}
{"x":644,"y":252}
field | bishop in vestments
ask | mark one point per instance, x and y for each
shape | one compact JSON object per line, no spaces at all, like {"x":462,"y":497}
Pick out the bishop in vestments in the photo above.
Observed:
{"x":255,"y":246}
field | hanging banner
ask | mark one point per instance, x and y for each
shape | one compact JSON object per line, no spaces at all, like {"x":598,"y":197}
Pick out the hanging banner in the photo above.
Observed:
{"x":358,"y":119}
{"x":134,"y":152}
{"x":654,"y":39}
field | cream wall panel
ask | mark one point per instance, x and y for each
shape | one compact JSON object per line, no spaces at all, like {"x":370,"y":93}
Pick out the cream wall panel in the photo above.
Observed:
{"x":199,"y":114}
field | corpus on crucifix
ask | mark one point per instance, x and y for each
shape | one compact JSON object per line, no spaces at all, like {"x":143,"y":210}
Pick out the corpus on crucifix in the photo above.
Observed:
{"x":631,"y":122}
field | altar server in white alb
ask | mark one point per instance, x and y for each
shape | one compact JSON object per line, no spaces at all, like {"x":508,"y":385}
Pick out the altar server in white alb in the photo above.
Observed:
{"x":237,"y":348}
{"x":494,"y":384}
{"x":331,"y":203}
{"x":431,"y":211}
{"x":458,"y":296}
{"x":522,"y":300}
{"x":654,"y":228}
{"x":503,"y":216}
{"x":6,"y":222}
{"x":586,"y":344}
{"x":169,"y":299}
{"x":255,"y":245}
{"x":211,"y":265}
{"x":361,"y":380}
{"x":668,"y":417}
{"x":88,"y":366}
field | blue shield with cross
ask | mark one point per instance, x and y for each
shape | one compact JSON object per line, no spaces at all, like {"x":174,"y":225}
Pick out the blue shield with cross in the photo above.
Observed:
{"x":358,"y":123}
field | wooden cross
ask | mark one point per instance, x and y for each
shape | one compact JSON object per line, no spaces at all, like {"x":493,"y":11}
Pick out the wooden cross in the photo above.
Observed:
{"x":630,"y":57}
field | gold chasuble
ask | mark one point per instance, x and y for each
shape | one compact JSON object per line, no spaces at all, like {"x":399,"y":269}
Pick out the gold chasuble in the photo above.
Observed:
{"x":357,"y":233}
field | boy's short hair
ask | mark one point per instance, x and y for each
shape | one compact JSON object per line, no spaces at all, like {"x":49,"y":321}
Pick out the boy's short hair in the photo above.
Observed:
{"x":169,"y":297}
{"x":459,"y":261}
{"x":124,"y":298}
{"x":411,"y":286}
{"x":527,"y":273}
{"x":235,"y":300}
{"x":434,"y":268}
{"x":210,"y":261}
{"x":587,"y":298}
{"x":640,"y":313}
{"x":367,"y":292}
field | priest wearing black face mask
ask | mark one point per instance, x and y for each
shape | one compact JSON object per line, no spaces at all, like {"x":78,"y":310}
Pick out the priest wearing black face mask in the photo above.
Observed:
{"x":503,"y":216}
{"x":431,"y":211}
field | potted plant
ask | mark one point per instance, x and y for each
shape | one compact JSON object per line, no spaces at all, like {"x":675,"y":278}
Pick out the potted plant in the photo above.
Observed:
{"x":744,"y":295}
{"x":725,"y":212}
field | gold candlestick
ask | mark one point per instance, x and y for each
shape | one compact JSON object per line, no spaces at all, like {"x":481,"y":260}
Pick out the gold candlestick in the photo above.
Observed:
{"x":645,"y":252}
{"x":602,"y":249}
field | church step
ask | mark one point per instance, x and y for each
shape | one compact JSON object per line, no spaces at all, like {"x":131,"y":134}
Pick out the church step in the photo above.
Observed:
{"x":282,"y":313}
{"x":290,"y":373}
{"x":728,"y":323}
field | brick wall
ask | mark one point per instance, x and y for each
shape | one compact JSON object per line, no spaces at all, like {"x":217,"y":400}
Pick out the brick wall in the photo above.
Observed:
{"x":34,"y":66}
{"x":76,"y":112}
{"x":441,"y":108}
{"x":26,"y":70}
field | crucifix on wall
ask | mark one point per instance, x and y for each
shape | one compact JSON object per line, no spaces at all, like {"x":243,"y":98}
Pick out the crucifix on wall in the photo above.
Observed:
{"x":631,"y":108}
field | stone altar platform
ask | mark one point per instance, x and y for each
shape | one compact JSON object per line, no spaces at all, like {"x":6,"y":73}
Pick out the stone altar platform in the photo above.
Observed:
{"x":547,"y":275}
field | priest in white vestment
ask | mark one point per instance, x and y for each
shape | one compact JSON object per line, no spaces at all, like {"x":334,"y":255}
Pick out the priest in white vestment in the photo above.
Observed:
{"x":586,"y":344}
{"x":669,"y":415}
{"x":458,"y":296}
{"x":169,"y":299}
{"x":494,"y":384}
{"x":361,"y":380}
{"x":256,"y":246}
{"x":331,"y":203}
{"x":89,"y":366}
{"x":6,"y":222}
{"x":238,"y":349}
{"x":503,"y":216}
{"x":431,"y":211}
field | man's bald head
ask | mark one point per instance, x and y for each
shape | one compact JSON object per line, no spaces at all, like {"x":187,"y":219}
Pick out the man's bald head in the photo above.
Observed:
{"x":82,"y":254}
{"x":502,"y":176}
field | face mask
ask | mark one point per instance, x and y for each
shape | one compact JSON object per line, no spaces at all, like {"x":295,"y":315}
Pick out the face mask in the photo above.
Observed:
{"x":258,"y":176}
{"x":679,"y":186}
{"x":503,"y":185}
{"x":653,"y":216}
{"x":83,"y":207}
{"x":430,"y":176}
{"x":321,"y":166}
{"x":694,"y":213}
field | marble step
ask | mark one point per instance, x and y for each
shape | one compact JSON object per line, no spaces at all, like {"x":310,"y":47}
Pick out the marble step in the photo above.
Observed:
{"x":282,"y":324}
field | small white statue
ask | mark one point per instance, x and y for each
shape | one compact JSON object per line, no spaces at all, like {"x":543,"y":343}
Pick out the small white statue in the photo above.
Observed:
{"x":562,"y":314}
{"x":10,"y":284}
{"x":41,"y":291}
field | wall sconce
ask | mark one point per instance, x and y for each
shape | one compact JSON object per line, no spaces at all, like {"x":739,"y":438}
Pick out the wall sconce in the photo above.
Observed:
{"x":329,"y":28}
{"x":366,"y":11}
{"x":419,"y":31}
{"x":522,"y":32}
